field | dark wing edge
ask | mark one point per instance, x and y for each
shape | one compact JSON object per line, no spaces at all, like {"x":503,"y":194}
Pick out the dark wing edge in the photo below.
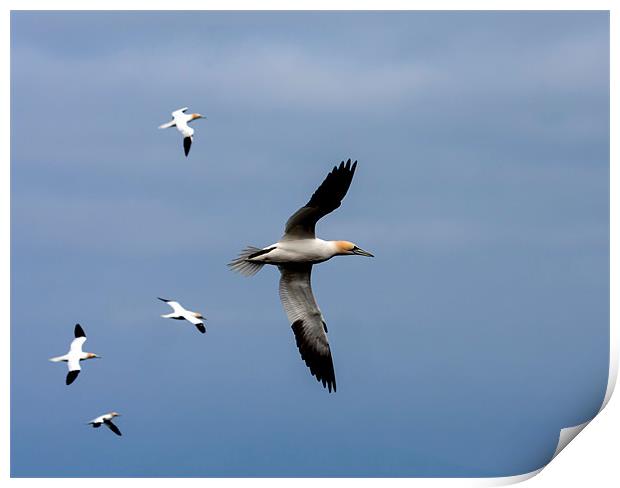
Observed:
{"x":327,"y":198}
{"x":79,"y":332}
{"x":71,"y":376}
{"x":113,"y":427}
{"x":319,"y":362}
{"x":201,"y":327}
{"x":187,"y":144}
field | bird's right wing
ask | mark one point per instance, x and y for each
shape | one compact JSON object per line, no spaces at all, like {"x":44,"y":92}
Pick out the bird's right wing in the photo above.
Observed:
{"x":76,"y":344}
{"x":80,"y":339}
{"x":112,"y":427}
{"x":325,"y":199}
{"x":78,"y":331}
{"x":172,"y":123}
{"x":307,"y":322}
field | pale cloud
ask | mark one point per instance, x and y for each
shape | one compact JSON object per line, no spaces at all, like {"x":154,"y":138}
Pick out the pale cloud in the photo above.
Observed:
{"x":250,"y":75}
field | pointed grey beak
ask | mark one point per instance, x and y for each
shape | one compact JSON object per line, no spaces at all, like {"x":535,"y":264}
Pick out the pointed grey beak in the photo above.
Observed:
{"x":361,"y":252}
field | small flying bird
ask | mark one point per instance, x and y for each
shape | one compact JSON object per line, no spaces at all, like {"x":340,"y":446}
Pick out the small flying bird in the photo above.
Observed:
{"x":180,"y":119}
{"x":75,"y":355}
{"x":295,"y":254}
{"x":106,"y":419}
{"x":180,"y":313}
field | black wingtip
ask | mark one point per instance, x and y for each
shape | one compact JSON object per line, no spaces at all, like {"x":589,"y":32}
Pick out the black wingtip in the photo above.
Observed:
{"x":345,"y":166}
{"x":201,"y":328}
{"x":163,"y":299}
{"x":79,"y":332}
{"x":113,"y":428}
{"x":348,"y":166}
{"x":71,"y":376}
{"x":187,"y":144}
{"x":321,"y":366}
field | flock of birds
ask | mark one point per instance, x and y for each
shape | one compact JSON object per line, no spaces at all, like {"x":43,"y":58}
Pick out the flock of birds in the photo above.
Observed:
{"x":294,"y":255}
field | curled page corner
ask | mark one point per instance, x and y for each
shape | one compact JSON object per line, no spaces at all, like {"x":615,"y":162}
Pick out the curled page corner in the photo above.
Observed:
{"x":567,"y":434}
{"x":508,"y":480}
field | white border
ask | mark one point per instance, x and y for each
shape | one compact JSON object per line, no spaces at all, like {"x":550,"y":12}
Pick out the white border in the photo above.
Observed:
{"x":596,"y":445}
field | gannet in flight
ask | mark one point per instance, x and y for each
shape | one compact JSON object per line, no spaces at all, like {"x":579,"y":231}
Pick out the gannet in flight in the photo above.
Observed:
{"x":180,"y":119}
{"x":179,"y":313}
{"x":294,"y":255}
{"x":75,"y":355}
{"x":106,"y":419}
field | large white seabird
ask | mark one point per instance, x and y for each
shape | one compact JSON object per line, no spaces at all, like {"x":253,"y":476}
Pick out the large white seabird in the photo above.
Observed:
{"x":180,"y":119}
{"x":75,"y":355}
{"x":106,"y":419}
{"x":294,"y":255}
{"x":181,"y":313}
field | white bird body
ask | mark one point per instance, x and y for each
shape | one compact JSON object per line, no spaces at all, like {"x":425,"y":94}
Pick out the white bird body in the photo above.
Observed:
{"x":295,"y":254}
{"x":102,"y":418}
{"x":75,"y":355}
{"x":299,"y":251}
{"x":106,"y":419}
{"x":292,"y":251}
{"x":181,"y":313}
{"x":180,"y":120}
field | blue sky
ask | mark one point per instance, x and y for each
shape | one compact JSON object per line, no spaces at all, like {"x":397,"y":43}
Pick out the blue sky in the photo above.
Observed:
{"x":478,"y":331}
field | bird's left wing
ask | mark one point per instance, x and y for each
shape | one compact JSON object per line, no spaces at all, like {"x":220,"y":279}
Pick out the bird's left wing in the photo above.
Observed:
{"x":187,"y":144}
{"x":112,"y":427}
{"x":176,"y":306}
{"x":307,"y":322}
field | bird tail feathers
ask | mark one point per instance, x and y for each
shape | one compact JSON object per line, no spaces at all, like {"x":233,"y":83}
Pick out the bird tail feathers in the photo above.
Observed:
{"x":243,"y":265}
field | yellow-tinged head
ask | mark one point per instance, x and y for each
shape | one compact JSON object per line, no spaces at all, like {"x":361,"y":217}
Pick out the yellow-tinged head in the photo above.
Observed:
{"x":346,"y":248}
{"x":115,"y":414}
{"x":196,"y":116}
{"x":90,"y":355}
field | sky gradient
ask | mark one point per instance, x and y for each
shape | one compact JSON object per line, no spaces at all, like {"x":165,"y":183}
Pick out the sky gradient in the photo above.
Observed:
{"x":478,"y":330}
